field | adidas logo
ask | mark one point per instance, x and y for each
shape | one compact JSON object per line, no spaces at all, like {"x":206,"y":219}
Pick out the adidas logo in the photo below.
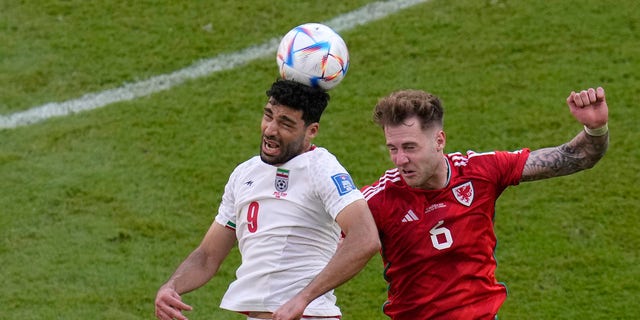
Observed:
{"x":410,"y":216}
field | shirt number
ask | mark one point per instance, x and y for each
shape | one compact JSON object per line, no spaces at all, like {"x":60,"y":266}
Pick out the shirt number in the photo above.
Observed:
{"x":252,"y":217}
{"x":441,"y":236}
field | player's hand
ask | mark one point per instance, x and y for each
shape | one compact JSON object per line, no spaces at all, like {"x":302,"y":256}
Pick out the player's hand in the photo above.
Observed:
{"x":589,"y":107}
{"x":292,"y":310}
{"x":169,"y":305}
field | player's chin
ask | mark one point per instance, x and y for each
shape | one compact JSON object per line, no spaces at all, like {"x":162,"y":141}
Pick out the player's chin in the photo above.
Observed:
{"x":411,"y":177}
{"x":270,"y":158}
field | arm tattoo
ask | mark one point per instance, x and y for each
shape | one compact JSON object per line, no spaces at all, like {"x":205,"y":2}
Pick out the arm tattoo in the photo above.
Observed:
{"x":581,"y":153}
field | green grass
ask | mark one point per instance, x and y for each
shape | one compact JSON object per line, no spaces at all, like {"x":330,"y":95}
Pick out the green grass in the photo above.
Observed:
{"x":98,"y":208}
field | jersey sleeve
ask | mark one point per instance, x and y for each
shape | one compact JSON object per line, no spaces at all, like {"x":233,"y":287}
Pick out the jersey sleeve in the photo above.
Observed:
{"x":500,"y":168}
{"x":511,"y":164}
{"x":226,"y":214}
{"x":335,"y":186}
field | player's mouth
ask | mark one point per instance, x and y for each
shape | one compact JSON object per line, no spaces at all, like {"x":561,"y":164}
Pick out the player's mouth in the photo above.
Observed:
{"x":270,"y":147}
{"x":408,"y":174}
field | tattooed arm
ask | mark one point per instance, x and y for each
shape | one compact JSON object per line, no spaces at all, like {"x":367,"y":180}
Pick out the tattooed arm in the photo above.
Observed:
{"x":578,"y":154}
{"x":582,"y":152}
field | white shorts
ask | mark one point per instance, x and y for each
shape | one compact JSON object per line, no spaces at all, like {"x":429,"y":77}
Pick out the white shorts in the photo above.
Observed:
{"x":303,"y":318}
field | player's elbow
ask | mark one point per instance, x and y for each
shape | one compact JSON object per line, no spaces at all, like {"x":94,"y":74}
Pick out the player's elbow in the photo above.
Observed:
{"x":365,"y":242}
{"x":376,"y":248}
{"x":372,"y":245}
{"x":592,"y":160}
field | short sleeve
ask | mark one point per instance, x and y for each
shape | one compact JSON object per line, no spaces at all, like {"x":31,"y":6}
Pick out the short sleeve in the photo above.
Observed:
{"x":226,"y":211}
{"x":511,"y":164}
{"x":335,"y":187}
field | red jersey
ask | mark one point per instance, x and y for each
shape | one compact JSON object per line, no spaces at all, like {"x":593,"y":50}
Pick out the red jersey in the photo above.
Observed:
{"x":438,"y":245}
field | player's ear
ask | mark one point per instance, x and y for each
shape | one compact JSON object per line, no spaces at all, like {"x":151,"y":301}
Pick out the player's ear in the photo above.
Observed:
{"x":312,"y":130}
{"x":441,"y":140}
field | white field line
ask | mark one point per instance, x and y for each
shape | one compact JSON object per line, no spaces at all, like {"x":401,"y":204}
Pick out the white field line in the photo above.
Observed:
{"x":129,"y":91}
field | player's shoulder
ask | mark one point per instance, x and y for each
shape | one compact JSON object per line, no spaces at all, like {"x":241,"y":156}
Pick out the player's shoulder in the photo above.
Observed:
{"x":484,"y":164}
{"x":473,"y":157}
{"x":249,"y":167}
{"x":254,"y":161}
{"x":473,"y":161}
{"x":459,"y":159}
{"x":321,"y":154}
{"x":320,"y":162}
{"x":390,"y":178}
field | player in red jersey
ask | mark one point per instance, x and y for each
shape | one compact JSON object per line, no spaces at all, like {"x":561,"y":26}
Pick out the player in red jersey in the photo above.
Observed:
{"x":435,"y":212}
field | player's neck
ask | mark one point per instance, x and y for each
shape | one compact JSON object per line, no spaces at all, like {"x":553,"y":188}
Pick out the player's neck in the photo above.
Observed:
{"x":441,"y":176}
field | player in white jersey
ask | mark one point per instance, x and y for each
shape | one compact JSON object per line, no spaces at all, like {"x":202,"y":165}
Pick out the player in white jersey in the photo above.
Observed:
{"x":287,"y":210}
{"x":284,"y":218}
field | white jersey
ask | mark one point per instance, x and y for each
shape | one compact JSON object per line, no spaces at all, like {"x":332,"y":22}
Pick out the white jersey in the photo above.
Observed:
{"x":284,"y":218}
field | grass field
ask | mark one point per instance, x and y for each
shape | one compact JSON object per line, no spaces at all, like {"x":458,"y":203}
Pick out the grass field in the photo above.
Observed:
{"x":97,"y":209}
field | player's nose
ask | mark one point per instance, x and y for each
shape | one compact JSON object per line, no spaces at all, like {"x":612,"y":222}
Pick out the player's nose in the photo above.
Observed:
{"x":270,"y":128}
{"x":400,"y":159}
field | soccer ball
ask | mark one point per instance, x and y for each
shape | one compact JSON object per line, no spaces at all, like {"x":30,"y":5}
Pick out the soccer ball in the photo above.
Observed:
{"x":313,"y":54}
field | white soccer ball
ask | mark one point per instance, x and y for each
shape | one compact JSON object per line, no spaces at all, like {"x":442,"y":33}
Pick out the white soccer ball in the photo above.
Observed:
{"x":313,"y":54}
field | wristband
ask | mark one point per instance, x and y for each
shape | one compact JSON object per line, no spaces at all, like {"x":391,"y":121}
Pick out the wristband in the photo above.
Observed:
{"x":597,"y":132}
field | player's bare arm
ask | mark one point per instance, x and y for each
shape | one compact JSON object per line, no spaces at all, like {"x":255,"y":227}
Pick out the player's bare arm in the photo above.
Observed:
{"x":581,"y":153}
{"x":198,"y":268}
{"x":590,"y":108}
{"x":360,"y":243}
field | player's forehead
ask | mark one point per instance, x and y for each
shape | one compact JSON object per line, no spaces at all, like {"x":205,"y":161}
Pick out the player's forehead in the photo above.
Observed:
{"x":408,"y":132}
{"x":278,"y":110}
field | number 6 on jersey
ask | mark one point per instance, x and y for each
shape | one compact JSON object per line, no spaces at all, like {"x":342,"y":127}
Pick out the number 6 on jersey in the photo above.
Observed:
{"x":436,"y":231}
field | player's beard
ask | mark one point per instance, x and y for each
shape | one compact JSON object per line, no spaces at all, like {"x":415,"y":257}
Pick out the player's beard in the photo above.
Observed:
{"x":287,"y":150}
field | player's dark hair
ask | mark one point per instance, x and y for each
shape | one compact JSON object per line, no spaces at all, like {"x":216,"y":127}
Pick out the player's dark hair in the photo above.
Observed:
{"x":397,"y":107}
{"x":312,"y":101}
